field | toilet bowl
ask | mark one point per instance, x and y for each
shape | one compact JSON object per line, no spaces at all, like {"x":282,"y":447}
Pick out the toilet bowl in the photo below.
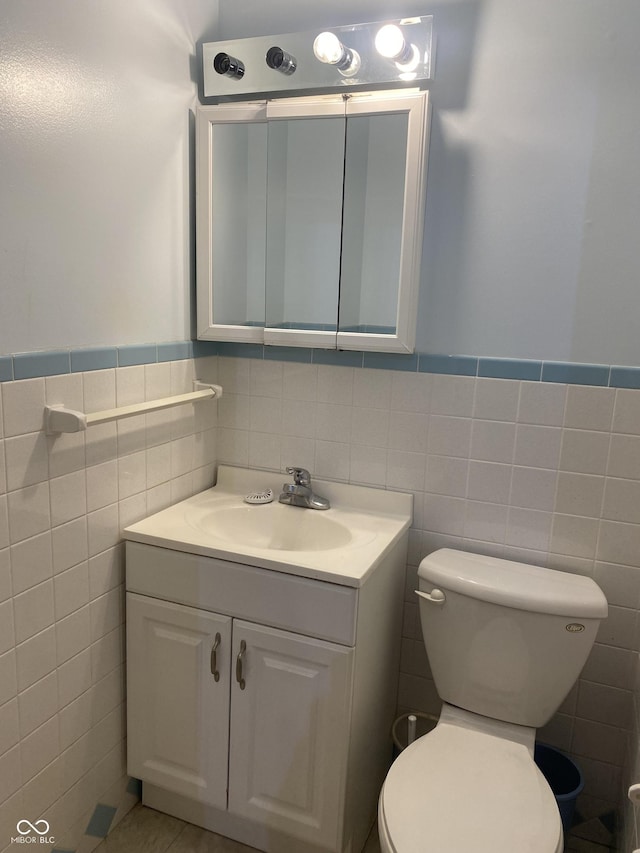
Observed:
{"x":469,"y":785}
{"x":506,"y":642}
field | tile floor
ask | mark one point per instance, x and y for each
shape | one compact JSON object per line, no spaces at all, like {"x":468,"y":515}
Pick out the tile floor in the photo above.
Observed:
{"x":144,"y":830}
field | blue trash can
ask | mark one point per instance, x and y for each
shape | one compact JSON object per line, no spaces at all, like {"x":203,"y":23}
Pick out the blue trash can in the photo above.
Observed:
{"x":564,"y":777}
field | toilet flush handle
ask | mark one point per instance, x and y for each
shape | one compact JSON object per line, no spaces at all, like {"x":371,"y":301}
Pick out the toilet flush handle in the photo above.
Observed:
{"x":436,"y":596}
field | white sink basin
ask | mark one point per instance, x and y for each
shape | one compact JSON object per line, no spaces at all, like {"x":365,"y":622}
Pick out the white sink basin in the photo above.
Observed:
{"x":275,"y":527}
{"x":342,"y":544}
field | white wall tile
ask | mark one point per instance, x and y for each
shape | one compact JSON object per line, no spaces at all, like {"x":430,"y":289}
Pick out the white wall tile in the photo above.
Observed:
{"x":528,"y":528}
{"x":618,"y":543}
{"x":10,"y":773}
{"x":533,"y":488}
{"x":31,"y":562}
{"x":9,"y":726}
{"x":159,"y":497}
{"x":626,"y":416}
{"x":298,"y":419}
{"x":69,"y":542}
{"x":370,"y":426}
{"x":449,"y":436}
{"x":489,"y":481}
{"x":299,"y":381}
{"x":622,"y":500}
{"x":492,"y":441}
{"x":574,"y":536}
{"x":406,"y":470}
{"x":446,"y":475}
{"x":106,"y":571}
{"x":619,"y":628}
{"x":38,"y":703}
{"x":333,"y":422}
{"x":620,"y":584}
{"x":537,"y":446}
{"x":4,"y":523}
{"x":71,"y":589}
{"x":579,"y":494}
{"x":107,"y":693}
{"x":410,"y":392}
{"x":35,"y":658}
{"x":68,"y":496}
{"x":107,"y":613}
{"x":234,"y":410}
{"x":74,"y":677}
{"x":234,"y":375}
{"x":368,"y":465}
{"x":23,"y":406}
{"x":264,"y":450}
{"x":103,"y":529}
{"x":589,"y":408}
{"x":27,"y":460}
{"x":265,"y":414}
{"x":611,"y":666}
{"x":332,"y":461}
{"x":408,"y":430}
{"x":5,"y":575}
{"x":107,"y":653}
{"x":300,"y":452}
{"x":266,"y":378}
{"x":542,"y":403}
{"x":624,"y":457}
{"x":28,"y":512}
{"x":33,"y":610}
{"x":233,"y":447}
{"x":8,"y":676}
{"x":444,"y":514}
{"x":7,"y":630}
{"x":101,"y":444}
{"x":336,"y":385}
{"x":135,"y":508}
{"x":39,"y":748}
{"x":496,"y":399}
{"x":584,"y":451}
{"x":66,"y":453}
{"x":102,"y":484}
{"x":75,"y":719}
{"x":486,"y":522}
{"x":452,"y":395}
{"x":73,"y":633}
{"x":3,"y":469}
{"x":372,"y":388}
{"x":132,"y":473}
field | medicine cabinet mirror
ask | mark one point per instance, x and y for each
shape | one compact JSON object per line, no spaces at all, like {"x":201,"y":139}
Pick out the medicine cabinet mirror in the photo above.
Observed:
{"x":310,"y":220}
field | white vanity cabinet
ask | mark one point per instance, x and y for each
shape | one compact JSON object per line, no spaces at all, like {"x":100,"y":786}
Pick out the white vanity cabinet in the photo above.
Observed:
{"x":219,"y":705}
{"x":286,"y":749}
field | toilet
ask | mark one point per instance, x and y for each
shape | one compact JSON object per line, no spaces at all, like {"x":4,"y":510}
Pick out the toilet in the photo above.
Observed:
{"x":506,"y":642}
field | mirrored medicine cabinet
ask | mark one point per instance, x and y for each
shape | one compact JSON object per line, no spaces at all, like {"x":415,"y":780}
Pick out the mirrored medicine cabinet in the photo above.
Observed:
{"x":310,"y":220}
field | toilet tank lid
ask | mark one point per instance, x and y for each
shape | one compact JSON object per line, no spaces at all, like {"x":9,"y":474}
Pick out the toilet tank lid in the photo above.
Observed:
{"x":513,"y":584}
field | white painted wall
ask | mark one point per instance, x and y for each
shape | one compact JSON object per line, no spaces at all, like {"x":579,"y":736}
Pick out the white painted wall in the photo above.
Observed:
{"x":95,"y":237}
{"x":533,"y":206}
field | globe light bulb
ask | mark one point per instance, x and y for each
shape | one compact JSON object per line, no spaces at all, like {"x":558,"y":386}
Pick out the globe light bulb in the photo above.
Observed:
{"x":328,"y":48}
{"x":390,"y":42}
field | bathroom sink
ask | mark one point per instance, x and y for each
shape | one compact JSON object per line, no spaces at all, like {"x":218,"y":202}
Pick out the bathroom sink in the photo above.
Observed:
{"x":342,"y":544}
{"x":275,"y":527}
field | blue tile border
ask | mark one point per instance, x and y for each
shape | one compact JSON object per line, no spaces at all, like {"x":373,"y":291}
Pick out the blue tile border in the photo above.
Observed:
{"x":575,"y":374}
{"x":129,"y":356}
{"x":508,"y":368}
{"x":6,"y":368}
{"x":625,"y":377}
{"x":452,"y":365}
{"x":31,"y":365}
{"x":93,"y":358}
{"x":101,"y":820}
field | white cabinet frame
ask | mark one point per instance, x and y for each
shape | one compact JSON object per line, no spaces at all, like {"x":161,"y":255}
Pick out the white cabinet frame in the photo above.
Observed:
{"x":416,"y":105}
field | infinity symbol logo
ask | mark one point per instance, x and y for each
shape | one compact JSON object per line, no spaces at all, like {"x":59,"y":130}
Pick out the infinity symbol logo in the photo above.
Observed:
{"x":32,"y":827}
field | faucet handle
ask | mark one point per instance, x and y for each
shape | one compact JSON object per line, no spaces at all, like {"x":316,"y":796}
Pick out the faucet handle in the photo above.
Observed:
{"x":301,"y":477}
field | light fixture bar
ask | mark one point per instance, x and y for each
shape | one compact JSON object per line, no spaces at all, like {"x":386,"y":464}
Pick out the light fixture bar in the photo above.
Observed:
{"x":358,"y":57}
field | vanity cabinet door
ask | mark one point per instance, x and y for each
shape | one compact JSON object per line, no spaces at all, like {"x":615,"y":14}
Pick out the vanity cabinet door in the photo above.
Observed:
{"x":177,"y":712}
{"x":289,"y":732}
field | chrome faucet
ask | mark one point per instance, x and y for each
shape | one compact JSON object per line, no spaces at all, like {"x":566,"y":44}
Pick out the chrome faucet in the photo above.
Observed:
{"x":300,"y":493}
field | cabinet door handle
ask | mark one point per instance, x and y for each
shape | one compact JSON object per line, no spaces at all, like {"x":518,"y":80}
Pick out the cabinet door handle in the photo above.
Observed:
{"x":239,"y":677}
{"x":214,"y":662}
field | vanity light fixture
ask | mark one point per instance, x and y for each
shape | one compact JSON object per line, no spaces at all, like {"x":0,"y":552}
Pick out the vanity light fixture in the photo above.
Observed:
{"x":228,"y":66}
{"x":391,"y":44}
{"x":280,"y":60}
{"x":328,"y":48}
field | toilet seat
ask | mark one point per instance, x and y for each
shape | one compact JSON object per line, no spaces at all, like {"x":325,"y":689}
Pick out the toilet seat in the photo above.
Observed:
{"x":459,"y":789}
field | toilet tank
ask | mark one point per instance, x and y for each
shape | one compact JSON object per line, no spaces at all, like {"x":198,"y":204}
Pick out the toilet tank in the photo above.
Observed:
{"x":505,"y":639}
